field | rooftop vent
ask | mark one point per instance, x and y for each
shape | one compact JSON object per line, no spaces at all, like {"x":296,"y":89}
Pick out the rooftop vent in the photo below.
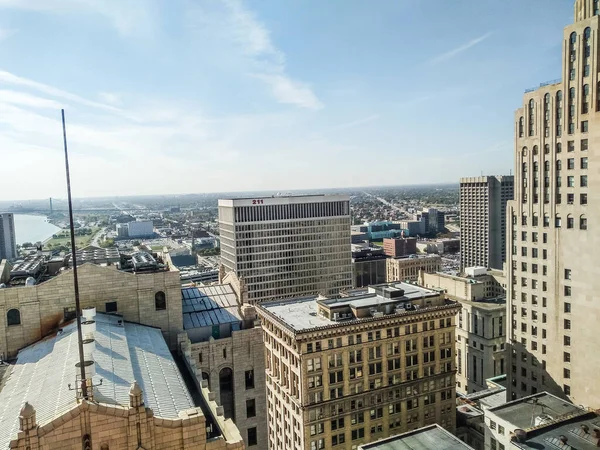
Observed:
{"x":88,"y":328}
{"x":89,"y":345}
{"x":90,"y":369}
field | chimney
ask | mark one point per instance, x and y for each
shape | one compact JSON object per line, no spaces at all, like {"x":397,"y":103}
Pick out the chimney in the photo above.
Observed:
{"x":27,"y":417}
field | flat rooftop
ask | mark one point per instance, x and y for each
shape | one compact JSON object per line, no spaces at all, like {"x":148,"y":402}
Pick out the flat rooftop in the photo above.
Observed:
{"x":579,"y":432}
{"x":426,"y":438}
{"x":305,"y":313}
{"x":523,"y":412}
{"x":282,"y":199}
{"x":125,"y":352}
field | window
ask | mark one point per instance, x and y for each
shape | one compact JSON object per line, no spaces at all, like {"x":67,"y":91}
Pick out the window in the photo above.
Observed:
{"x":570,"y":221}
{"x":571,"y":181}
{"x":582,"y":223}
{"x":583,"y":199}
{"x":249,"y":379}
{"x":567,"y":324}
{"x":13,"y":317}
{"x":584,"y":126}
{"x":566,"y":357}
{"x":583,"y":181}
{"x":252,"y":437}
{"x":567,"y":341}
{"x":583,"y":145}
{"x":567,"y":291}
{"x":521,"y":127}
{"x":558,"y":147}
{"x":566,"y":373}
{"x":110,"y":307}
{"x":567,"y":389}
{"x":250,"y":408}
{"x":567,"y":274}
{"x":358,"y":434}
{"x":160,"y":301}
{"x":557,"y":221}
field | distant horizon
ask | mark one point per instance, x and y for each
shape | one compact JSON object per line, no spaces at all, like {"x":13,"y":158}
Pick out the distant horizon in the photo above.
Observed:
{"x":283,"y":192}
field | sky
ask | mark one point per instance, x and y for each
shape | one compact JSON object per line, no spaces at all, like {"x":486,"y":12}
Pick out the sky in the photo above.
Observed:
{"x":192,"y":96}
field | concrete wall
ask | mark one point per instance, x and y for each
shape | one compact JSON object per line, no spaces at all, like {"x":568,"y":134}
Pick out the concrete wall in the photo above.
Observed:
{"x":42,"y":306}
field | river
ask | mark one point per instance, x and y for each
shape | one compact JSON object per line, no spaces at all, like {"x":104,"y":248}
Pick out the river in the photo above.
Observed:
{"x":32,"y":228}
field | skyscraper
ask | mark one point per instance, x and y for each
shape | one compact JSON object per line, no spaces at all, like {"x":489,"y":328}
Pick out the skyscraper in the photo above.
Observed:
{"x":483,"y":220}
{"x":8,"y":240}
{"x":287,"y":246}
{"x":552,"y":241}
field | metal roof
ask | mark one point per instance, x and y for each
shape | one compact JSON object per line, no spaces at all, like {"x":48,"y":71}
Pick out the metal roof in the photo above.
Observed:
{"x":426,"y":438}
{"x":209,"y":305}
{"x":124,"y":353}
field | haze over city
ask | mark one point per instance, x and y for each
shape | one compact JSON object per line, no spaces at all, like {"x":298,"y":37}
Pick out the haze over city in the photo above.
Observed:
{"x":214,"y":96}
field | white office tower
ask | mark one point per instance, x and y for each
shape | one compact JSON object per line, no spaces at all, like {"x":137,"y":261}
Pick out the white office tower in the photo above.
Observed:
{"x":287,"y":246}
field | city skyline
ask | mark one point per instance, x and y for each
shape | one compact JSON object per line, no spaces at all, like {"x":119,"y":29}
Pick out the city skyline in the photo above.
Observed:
{"x":236,"y":93}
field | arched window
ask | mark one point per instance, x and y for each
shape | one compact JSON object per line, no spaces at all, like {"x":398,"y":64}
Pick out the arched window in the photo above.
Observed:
{"x":13,"y":317}
{"x":587,"y":33}
{"x":596,"y":7}
{"x":226,"y":392}
{"x":559,"y":113}
{"x":535,"y":149}
{"x":531,"y":117}
{"x":585,"y":101}
{"x":558,"y":147}
{"x":582,"y":222}
{"x":546,"y":220}
{"x":521,"y":126}
{"x":546,"y":149}
{"x":557,"y":221}
{"x":572,"y":55}
{"x":534,"y":220}
{"x":524,"y":151}
{"x":160,"y":301}
{"x":570,"y":221}
{"x":572,"y":40}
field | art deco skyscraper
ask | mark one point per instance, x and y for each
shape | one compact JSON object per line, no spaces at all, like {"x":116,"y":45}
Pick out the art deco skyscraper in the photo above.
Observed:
{"x":287,"y":246}
{"x":553,"y":243}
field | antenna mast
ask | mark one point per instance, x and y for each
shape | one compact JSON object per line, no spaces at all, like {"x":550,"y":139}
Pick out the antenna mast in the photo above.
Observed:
{"x":74,"y":257}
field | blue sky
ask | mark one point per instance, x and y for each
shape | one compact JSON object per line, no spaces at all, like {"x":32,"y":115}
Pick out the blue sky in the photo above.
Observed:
{"x":185,"y":96}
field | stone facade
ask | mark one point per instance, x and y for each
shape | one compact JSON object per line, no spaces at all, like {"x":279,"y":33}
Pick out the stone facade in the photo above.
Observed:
{"x":243,"y":353}
{"x":402,"y":269}
{"x":42,"y":308}
{"x":112,"y":427}
{"x":481,"y":325}
{"x":553,"y":241}
{"x":354,"y":382}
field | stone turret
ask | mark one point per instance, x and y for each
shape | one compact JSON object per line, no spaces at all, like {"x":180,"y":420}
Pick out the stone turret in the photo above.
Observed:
{"x":27,"y":419}
{"x":136,"y":397}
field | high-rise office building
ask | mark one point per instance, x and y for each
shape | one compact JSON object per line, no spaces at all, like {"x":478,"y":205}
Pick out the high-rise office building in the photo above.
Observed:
{"x":552,"y":240}
{"x":287,"y":246}
{"x":344,"y":372}
{"x":437,"y":221}
{"x":483,"y":220}
{"x":8,"y":240}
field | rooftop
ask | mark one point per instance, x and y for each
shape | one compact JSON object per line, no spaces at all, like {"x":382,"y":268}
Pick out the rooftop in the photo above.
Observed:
{"x":525,"y":412}
{"x":581,"y":432}
{"x":205,"y":306}
{"x":303,"y":314}
{"x":124,"y":353}
{"x":426,"y":438}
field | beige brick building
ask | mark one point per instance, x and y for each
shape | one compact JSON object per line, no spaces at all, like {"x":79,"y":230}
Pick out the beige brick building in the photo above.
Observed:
{"x":137,"y":396}
{"x":480,"y":324}
{"x":407,"y":268}
{"x":552,"y":241}
{"x":223,"y":345}
{"x":27,"y":313}
{"x":345,"y":372}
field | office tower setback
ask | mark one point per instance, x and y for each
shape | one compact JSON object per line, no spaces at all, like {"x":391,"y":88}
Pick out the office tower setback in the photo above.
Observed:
{"x":287,"y":246}
{"x":552,"y":240}
{"x":483,"y":220}
{"x":8,"y":240}
{"x":344,"y":372}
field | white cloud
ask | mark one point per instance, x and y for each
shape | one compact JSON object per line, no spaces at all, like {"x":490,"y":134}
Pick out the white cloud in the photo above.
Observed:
{"x":129,"y":18}
{"x":110,"y":98}
{"x":458,"y":50}
{"x":230,"y":20}
{"x":5,"y":33}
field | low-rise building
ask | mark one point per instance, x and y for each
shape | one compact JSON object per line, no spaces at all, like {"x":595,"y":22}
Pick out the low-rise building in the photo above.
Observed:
{"x":400,"y":246}
{"x":425,"y":438}
{"x":352,"y":370}
{"x":223,"y":345}
{"x":541,"y":421}
{"x":407,"y":268}
{"x":136,"y":396}
{"x":140,"y":228}
{"x":481,"y":324}
{"x":368,"y":266}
